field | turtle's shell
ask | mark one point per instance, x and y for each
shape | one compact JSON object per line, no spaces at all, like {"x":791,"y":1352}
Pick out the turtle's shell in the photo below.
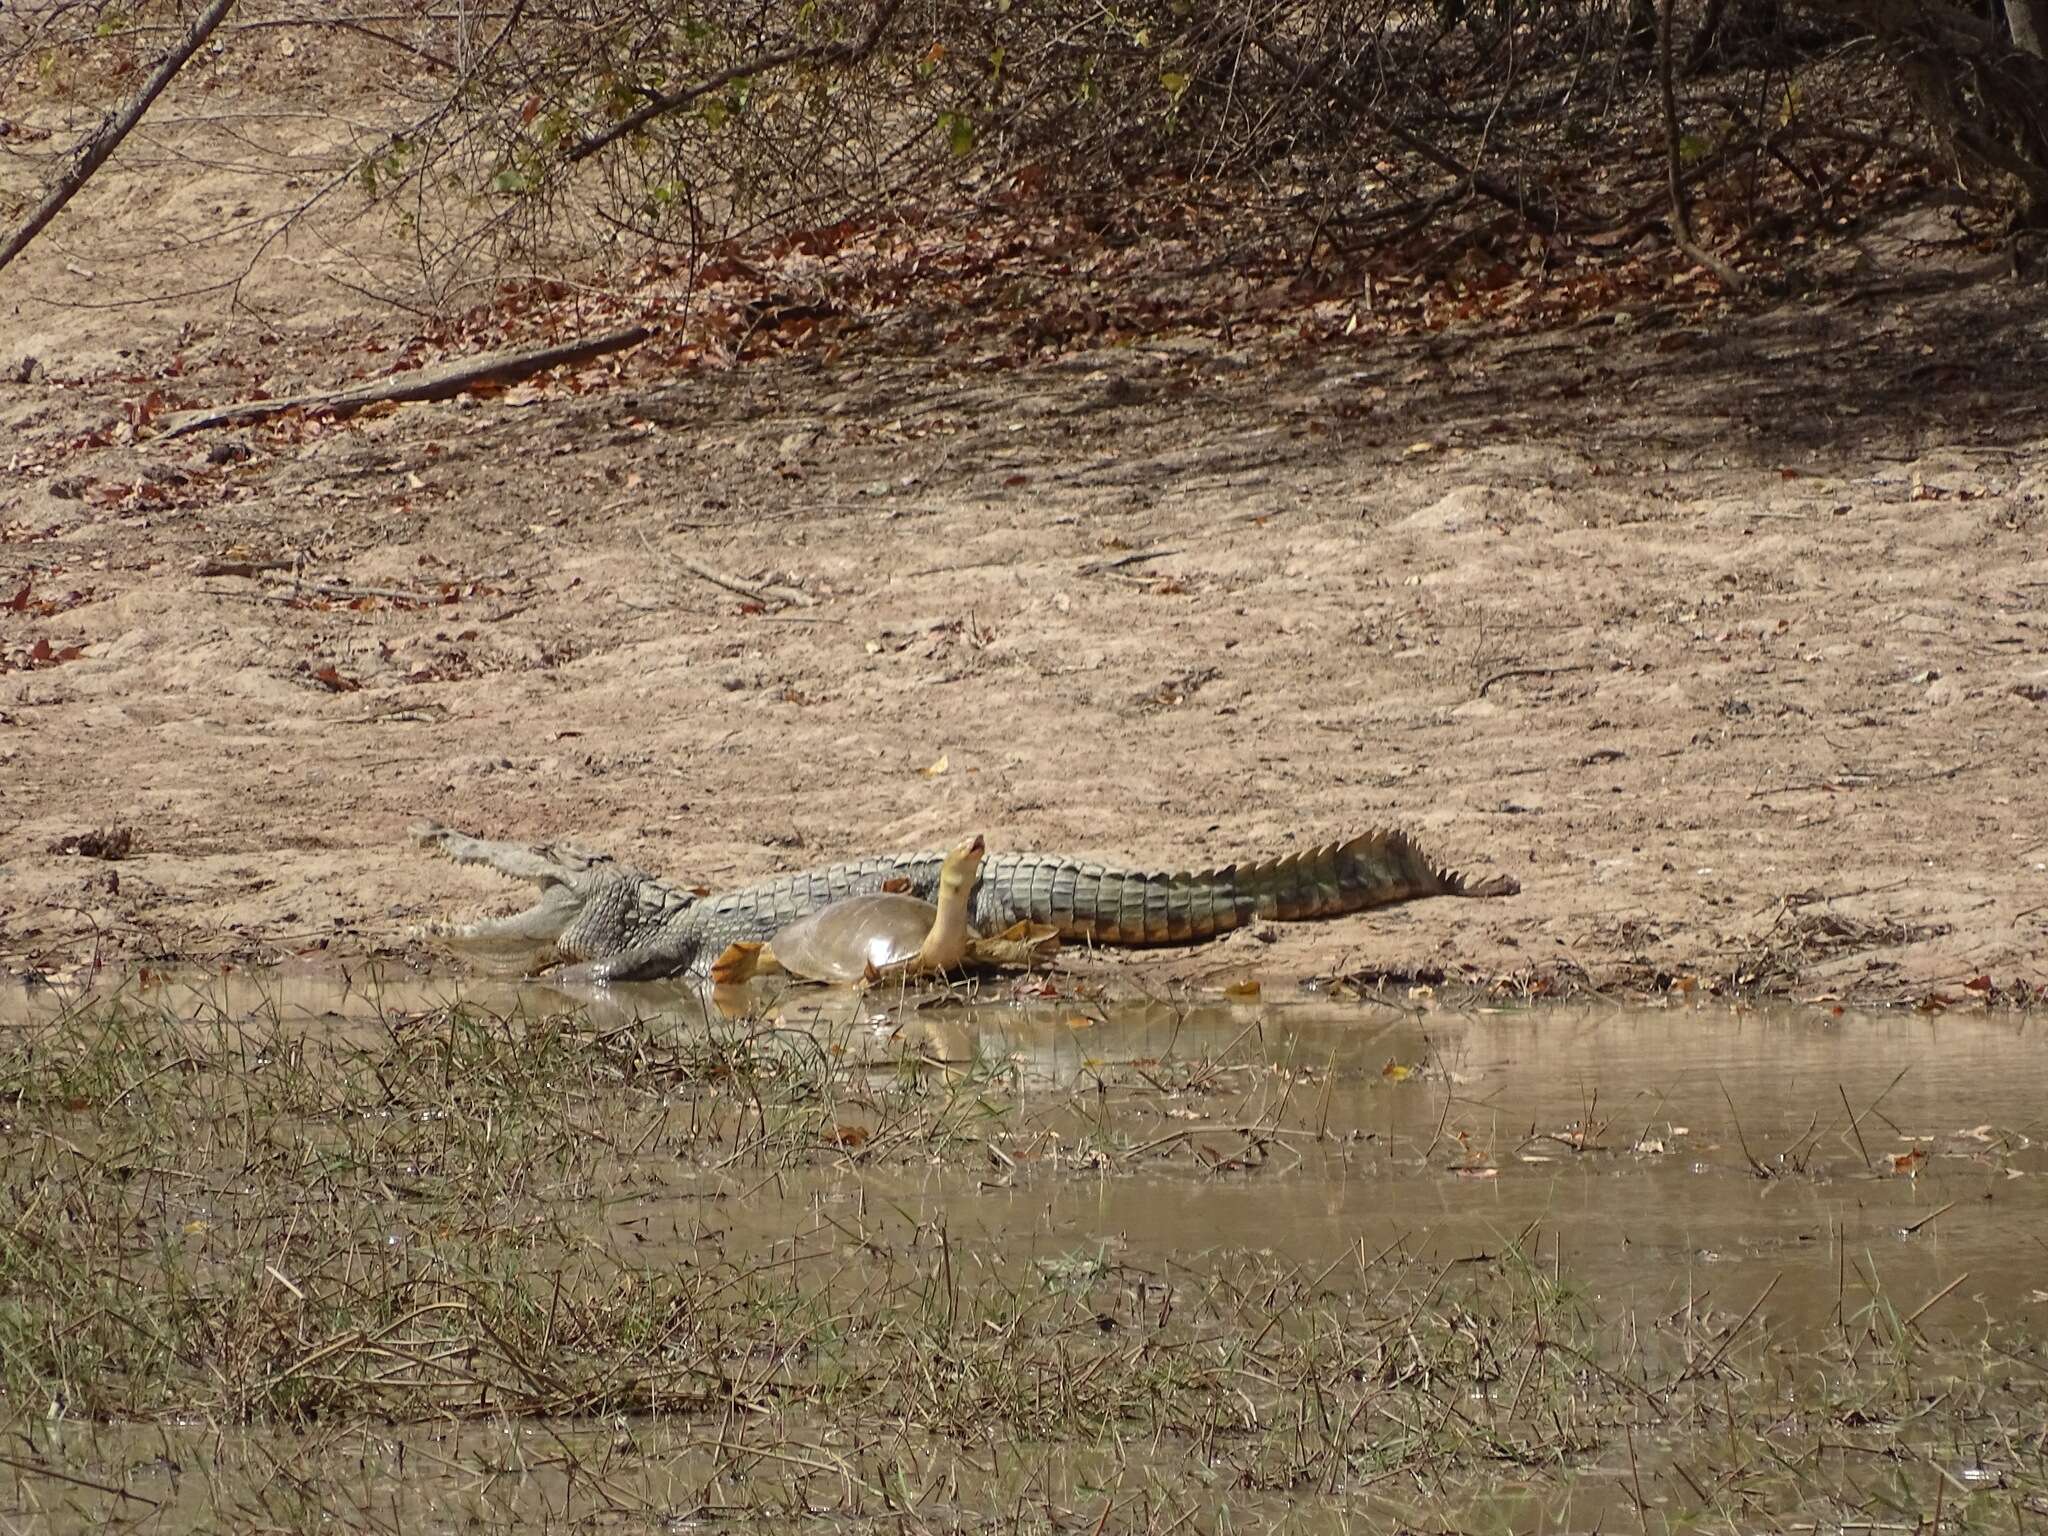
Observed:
{"x":840,"y":941}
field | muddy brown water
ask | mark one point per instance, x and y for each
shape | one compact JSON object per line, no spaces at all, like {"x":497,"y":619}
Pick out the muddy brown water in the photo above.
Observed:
{"x":1703,"y":1157}
{"x":1663,"y":1158}
{"x":1659,"y":1153}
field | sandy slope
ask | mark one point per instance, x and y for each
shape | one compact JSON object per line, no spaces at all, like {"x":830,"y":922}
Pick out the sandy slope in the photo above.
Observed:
{"x":1729,"y":643}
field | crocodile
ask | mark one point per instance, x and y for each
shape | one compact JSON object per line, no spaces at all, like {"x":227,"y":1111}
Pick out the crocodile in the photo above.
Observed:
{"x":605,"y":921}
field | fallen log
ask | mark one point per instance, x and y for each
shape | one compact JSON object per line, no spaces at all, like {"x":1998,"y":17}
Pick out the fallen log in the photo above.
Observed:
{"x":442,"y":381}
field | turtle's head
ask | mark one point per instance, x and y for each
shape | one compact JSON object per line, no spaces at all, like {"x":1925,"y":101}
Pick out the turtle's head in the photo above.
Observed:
{"x":962,"y":865}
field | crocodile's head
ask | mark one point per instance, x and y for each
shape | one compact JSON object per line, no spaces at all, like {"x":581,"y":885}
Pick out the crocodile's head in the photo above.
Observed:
{"x":589,"y":904}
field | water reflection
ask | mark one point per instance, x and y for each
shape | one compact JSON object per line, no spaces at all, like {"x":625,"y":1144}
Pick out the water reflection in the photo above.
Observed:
{"x":1660,"y":1155}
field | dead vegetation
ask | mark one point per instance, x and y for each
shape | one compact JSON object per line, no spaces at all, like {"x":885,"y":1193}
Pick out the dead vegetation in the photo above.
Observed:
{"x":640,"y":1251}
{"x":1532,"y":157}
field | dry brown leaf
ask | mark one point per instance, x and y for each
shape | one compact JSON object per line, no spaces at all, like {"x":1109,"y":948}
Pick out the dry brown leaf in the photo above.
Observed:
{"x":331,"y":679}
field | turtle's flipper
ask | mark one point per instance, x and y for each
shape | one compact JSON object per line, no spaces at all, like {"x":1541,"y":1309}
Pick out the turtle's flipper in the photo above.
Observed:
{"x":743,"y":961}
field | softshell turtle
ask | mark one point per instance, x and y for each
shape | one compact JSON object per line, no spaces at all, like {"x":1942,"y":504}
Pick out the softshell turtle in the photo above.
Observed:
{"x":888,"y":933}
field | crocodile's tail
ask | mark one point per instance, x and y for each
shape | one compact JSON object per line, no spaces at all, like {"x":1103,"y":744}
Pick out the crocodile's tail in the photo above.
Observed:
{"x":1092,"y":903}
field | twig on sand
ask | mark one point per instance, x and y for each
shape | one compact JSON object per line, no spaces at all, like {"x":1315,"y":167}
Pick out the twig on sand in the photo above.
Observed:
{"x":1135,"y":557}
{"x":770,"y":597}
{"x":300,"y":590}
{"x":222,"y":565}
{"x":341,"y":589}
{"x":767,"y":597}
{"x":1513,"y":672}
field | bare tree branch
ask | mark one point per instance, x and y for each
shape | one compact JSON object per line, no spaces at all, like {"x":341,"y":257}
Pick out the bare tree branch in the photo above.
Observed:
{"x":760,"y":63}
{"x":1681,"y":205}
{"x":1539,"y":213}
{"x":92,"y":152}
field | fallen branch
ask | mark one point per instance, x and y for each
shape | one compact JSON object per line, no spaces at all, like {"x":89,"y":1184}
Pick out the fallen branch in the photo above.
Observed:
{"x":767,"y":597}
{"x":223,"y":565}
{"x":351,"y":593}
{"x":1136,"y":557}
{"x":442,"y":382}
{"x":92,"y":152}
{"x":1512,"y":672}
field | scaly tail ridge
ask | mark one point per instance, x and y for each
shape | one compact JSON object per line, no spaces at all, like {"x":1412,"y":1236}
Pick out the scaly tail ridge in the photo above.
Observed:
{"x":1093,"y":903}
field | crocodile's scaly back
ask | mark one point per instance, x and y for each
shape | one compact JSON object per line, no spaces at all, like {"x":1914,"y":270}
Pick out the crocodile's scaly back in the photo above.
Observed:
{"x":1095,"y":903}
{"x":623,"y":925}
